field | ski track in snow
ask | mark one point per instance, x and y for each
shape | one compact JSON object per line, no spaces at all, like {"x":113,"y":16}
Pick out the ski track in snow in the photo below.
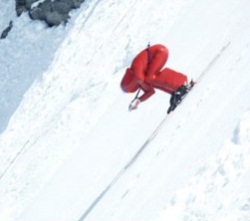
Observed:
{"x":69,"y":150}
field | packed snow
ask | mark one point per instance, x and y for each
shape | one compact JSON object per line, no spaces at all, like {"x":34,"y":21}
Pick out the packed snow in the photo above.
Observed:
{"x":71,"y":150}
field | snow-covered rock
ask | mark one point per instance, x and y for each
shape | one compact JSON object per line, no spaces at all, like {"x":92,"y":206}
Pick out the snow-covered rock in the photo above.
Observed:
{"x":52,"y":12}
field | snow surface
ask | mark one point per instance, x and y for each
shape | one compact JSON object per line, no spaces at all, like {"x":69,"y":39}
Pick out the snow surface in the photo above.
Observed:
{"x":70,"y":150}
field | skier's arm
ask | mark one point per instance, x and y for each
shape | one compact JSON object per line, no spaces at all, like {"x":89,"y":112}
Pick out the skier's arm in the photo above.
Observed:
{"x":148,"y":91}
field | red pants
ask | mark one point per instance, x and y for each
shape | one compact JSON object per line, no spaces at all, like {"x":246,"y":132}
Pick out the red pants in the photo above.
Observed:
{"x":168,"y":80}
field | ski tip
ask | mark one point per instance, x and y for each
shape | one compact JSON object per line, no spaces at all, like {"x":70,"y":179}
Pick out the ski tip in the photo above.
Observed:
{"x":192,"y":82}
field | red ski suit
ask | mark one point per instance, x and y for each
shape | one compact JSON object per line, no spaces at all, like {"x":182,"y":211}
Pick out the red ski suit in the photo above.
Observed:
{"x":145,"y":73}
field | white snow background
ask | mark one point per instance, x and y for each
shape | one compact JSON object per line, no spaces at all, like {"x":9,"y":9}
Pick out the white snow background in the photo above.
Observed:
{"x":69,"y":148}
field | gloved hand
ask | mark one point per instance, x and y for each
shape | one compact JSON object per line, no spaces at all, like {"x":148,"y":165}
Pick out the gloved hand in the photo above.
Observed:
{"x":134,"y":104}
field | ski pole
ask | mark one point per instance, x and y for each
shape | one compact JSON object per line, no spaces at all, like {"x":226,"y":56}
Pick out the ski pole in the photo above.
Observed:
{"x":137,"y":94}
{"x":136,"y":97}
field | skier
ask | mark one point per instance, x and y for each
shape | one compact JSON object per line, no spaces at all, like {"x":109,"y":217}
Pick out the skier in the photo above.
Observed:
{"x":145,"y":74}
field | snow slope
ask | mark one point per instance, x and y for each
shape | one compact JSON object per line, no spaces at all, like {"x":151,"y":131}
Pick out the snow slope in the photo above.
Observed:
{"x":70,"y":150}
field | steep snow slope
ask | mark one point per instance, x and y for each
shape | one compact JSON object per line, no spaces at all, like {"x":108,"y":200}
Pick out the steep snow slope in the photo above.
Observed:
{"x":220,"y":188}
{"x":66,"y":102}
{"x":24,"y":56}
{"x":69,"y":151}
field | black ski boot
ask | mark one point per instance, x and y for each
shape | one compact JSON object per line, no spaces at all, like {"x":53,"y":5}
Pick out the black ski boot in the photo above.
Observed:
{"x":176,"y":97}
{"x":179,"y":94}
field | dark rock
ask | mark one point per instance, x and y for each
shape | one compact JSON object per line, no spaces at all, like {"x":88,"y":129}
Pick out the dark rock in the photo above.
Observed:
{"x":76,"y":3}
{"x":52,"y":12}
{"x":20,"y":7}
{"x":39,"y":12}
{"x":28,"y":3}
{"x":6,"y":30}
{"x":55,"y":18}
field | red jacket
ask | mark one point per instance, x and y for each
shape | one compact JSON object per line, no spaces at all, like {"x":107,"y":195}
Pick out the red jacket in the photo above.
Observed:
{"x":145,"y":73}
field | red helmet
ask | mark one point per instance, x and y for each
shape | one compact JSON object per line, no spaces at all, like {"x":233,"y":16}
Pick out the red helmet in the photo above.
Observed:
{"x":129,"y":83}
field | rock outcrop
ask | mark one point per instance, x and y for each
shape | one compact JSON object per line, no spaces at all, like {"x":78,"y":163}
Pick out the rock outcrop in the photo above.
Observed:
{"x":6,"y":30}
{"x":52,"y":12}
